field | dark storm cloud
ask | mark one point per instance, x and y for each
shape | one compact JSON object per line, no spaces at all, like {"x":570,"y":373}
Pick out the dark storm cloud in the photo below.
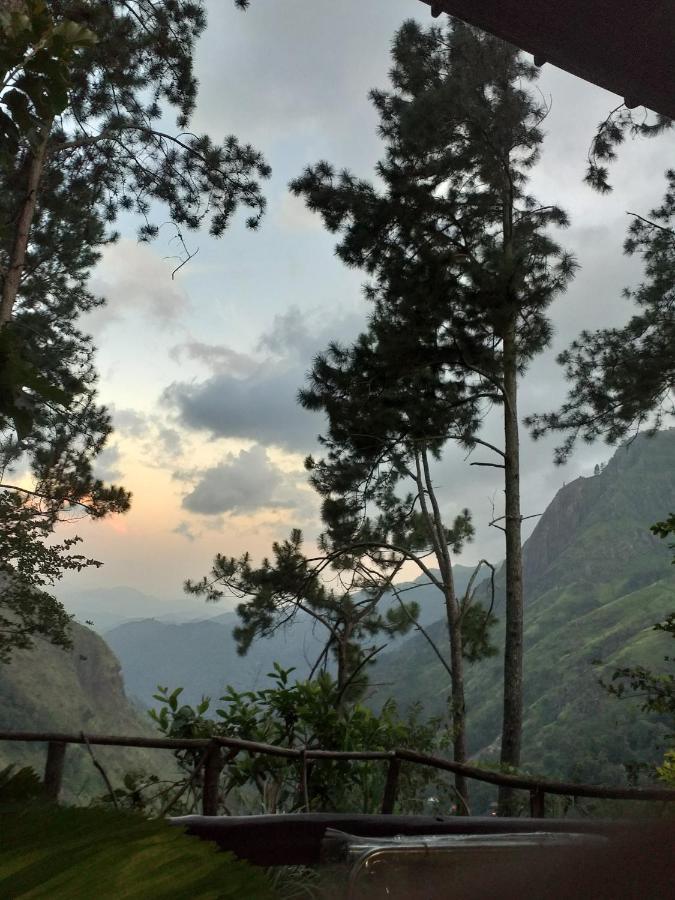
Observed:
{"x":262,"y":406}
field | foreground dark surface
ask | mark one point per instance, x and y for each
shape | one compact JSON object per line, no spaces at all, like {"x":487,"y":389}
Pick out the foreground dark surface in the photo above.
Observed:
{"x":627,"y":860}
{"x":296,"y":839}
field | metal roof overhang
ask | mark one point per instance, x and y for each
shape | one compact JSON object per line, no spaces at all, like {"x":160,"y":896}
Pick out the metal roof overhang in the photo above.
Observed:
{"x":624,"y":46}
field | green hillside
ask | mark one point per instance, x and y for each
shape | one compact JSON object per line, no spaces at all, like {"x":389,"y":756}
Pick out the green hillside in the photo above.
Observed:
{"x":596,"y":581}
{"x":49,"y":689}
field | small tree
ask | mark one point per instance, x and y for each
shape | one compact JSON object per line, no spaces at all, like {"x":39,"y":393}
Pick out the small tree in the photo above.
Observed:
{"x":29,"y":564}
{"x":277,"y":591}
{"x":307,"y":715}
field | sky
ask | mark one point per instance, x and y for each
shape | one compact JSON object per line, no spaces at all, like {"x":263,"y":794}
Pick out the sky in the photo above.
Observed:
{"x":201,"y":371}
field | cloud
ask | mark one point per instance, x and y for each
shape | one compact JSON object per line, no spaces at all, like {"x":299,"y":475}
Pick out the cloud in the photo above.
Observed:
{"x":262,"y":404}
{"x":216,"y":357}
{"x":169,"y":441}
{"x":129,"y":422}
{"x":135,"y":280}
{"x":160,"y":444}
{"x":290,"y":335}
{"x":293,"y":56}
{"x":106,"y":466}
{"x":242,"y":483}
{"x":293,"y":215}
{"x":185,"y":529}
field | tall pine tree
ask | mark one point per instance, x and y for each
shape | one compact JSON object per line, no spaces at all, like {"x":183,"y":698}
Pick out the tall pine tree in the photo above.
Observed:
{"x":451,"y":226}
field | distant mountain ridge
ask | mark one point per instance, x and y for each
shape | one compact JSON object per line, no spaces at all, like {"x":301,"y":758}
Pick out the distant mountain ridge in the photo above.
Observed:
{"x":106,"y":608}
{"x":201,"y":656}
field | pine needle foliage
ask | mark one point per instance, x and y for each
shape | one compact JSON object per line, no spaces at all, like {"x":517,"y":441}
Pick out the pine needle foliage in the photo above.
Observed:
{"x":623,"y":379}
{"x":89,"y":91}
{"x":463,"y":268}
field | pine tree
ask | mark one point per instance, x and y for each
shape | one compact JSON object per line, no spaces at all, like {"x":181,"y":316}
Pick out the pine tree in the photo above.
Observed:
{"x":99,"y":139}
{"x":87,"y":90}
{"x":275,"y":592}
{"x":109,"y":134}
{"x":623,"y":378}
{"x":453,"y":229}
{"x":391,"y":409}
{"x":611,"y":134}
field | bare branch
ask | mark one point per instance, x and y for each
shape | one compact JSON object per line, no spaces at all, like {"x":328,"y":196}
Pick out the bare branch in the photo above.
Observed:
{"x":649,"y":222}
{"x":100,"y":768}
{"x":488,"y":465}
{"x":475,"y":440}
{"x":424,"y":633}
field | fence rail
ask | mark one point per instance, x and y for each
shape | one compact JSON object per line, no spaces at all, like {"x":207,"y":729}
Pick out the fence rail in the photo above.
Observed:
{"x":213,"y":762}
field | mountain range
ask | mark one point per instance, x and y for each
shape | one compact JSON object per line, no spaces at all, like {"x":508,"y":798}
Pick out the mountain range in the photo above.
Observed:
{"x":105,"y":608}
{"x":201,"y":656}
{"x":596,"y":581}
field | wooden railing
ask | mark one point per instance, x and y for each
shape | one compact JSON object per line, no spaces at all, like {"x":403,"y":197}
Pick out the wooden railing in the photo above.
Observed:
{"x":213,"y":761}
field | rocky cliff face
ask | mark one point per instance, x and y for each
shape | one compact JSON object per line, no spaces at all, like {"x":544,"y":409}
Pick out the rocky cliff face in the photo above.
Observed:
{"x":598,"y":525}
{"x":49,"y":689}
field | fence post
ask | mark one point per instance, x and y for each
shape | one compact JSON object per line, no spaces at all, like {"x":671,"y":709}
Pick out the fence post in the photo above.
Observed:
{"x":304,"y":779}
{"x":213,"y":765}
{"x":56,"y":752}
{"x":537,"y":803}
{"x":391,"y":786}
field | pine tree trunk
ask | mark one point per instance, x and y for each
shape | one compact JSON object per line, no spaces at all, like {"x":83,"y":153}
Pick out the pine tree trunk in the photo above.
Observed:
{"x":458,"y":702}
{"x":24,"y":220}
{"x":513,"y":644}
{"x":439,"y":541}
{"x":341,"y":664}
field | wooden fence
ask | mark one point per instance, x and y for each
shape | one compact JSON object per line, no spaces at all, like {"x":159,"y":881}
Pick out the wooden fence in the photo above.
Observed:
{"x":213,"y":760}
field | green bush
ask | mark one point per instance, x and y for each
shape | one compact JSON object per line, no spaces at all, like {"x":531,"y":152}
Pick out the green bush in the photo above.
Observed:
{"x":309,"y":714}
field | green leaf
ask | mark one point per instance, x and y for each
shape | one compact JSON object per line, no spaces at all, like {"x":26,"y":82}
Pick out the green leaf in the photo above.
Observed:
{"x":173,"y":698}
{"x":47,"y":852}
{"x":19,"y":784}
